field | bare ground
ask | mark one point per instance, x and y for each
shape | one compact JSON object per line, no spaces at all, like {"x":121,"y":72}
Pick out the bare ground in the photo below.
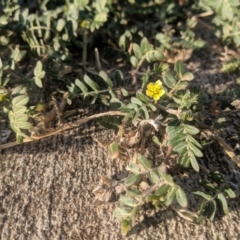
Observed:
{"x":46,"y":186}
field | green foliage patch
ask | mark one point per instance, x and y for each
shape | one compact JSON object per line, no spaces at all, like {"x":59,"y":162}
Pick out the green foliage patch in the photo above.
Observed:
{"x":156,"y":99}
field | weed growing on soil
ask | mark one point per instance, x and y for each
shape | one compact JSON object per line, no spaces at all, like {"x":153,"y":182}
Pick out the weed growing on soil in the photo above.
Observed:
{"x":45,"y":66}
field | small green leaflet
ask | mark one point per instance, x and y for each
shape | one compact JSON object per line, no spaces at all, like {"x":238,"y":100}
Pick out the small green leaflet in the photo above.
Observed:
{"x":79,"y":84}
{"x":162,"y":190}
{"x":133,"y":167}
{"x":127,"y":201}
{"x":91,"y":83}
{"x":169,"y":80}
{"x":137,"y":51}
{"x":178,"y":67}
{"x":193,"y":161}
{"x":144,"y":162}
{"x":132,"y":179}
{"x":170,"y":196}
{"x":136,"y":101}
{"x":153,"y":176}
{"x":223,"y":203}
{"x":133,"y":192}
{"x":190,"y":129}
{"x":181,"y":198}
{"x":203,"y":195}
{"x":106,"y":78}
{"x":230,"y":193}
{"x":122,"y":212}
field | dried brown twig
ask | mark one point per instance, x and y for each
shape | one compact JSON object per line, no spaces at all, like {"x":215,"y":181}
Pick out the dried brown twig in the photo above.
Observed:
{"x":64,"y":128}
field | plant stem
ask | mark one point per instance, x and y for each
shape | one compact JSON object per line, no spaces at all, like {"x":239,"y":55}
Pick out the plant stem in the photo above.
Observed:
{"x":169,"y":110}
{"x":64,"y":128}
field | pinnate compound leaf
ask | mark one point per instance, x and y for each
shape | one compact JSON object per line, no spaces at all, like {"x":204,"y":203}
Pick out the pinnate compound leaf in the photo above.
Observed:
{"x":132,"y":179}
{"x":223,"y":203}
{"x":169,"y":80}
{"x":181,"y":198}
{"x":146,"y":164}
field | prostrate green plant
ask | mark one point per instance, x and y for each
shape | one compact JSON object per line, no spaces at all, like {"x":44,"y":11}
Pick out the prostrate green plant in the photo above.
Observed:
{"x":181,"y":122}
{"x":97,"y":85}
{"x":161,"y":193}
{"x":226,"y":19}
{"x":158,"y":104}
{"x":18,"y":115}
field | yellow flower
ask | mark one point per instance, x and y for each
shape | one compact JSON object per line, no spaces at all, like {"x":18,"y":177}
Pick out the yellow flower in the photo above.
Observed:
{"x":155,"y":90}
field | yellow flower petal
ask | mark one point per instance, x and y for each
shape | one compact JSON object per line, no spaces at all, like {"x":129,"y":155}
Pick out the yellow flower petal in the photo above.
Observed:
{"x":150,"y":86}
{"x":149,"y":93}
{"x":155,"y":90}
{"x":158,"y":82}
